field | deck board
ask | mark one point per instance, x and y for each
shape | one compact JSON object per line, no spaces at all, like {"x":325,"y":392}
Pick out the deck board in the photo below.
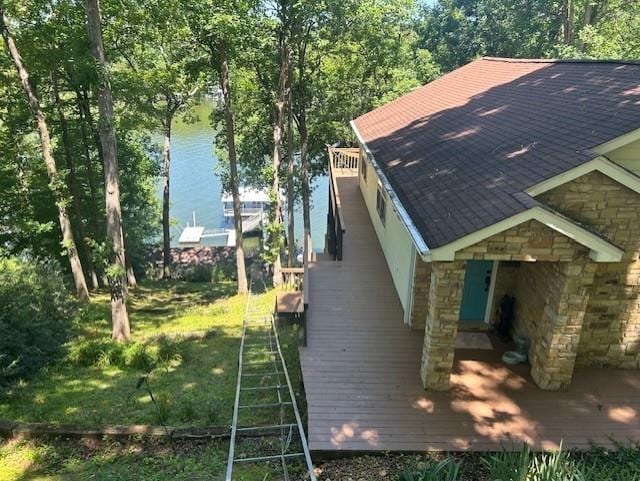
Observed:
{"x":290,"y":302}
{"x":361,"y":373}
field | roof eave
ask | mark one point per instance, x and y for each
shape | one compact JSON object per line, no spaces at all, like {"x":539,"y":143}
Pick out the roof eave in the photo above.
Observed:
{"x":601,"y":250}
{"x":415,"y":234}
{"x":600,"y":164}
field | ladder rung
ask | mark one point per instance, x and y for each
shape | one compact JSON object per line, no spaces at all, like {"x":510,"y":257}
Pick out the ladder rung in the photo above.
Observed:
{"x":263,"y":388}
{"x":257,"y":363}
{"x":267,"y":458}
{"x":262,"y":428}
{"x":264,"y":405}
{"x":259,"y":374}
{"x":262,"y":352}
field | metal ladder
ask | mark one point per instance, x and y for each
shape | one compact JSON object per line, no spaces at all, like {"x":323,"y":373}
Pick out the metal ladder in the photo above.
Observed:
{"x":260,"y":359}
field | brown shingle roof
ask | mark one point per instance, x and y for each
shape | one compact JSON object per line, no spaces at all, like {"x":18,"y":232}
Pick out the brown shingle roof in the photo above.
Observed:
{"x":457,"y":150}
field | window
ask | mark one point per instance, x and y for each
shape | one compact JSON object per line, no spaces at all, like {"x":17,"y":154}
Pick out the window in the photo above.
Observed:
{"x":381,"y":203}
{"x":363,"y":166}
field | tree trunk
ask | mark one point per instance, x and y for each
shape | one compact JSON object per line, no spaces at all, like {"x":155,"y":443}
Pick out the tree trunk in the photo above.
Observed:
{"x":291,"y":232}
{"x":117,"y":271}
{"x":132,"y":282}
{"x":277,"y":154}
{"x":166,"y":162}
{"x":75,"y":191}
{"x":233,"y":167}
{"x":94,"y":218}
{"x":55,"y":182}
{"x":89,"y":166}
{"x":304,"y":142}
{"x":568,"y":22}
{"x":586,"y":20}
{"x":95,"y":131}
{"x":304,"y":167}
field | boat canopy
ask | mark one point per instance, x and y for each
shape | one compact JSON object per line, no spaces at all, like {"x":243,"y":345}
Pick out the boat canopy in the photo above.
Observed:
{"x":249,"y":194}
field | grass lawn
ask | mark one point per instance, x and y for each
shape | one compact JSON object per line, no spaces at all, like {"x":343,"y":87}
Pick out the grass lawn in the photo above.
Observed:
{"x":79,"y":461}
{"x":195,"y":386}
{"x":158,"y":461}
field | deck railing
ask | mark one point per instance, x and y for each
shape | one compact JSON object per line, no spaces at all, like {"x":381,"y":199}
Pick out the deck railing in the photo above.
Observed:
{"x":296,"y":279}
{"x":343,"y":159}
{"x":308,"y":257}
{"x":293,"y":278}
{"x":244,"y":211}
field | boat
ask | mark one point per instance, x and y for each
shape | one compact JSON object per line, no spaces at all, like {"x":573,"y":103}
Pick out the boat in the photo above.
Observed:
{"x":252,"y":202}
{"x":254,"y":207}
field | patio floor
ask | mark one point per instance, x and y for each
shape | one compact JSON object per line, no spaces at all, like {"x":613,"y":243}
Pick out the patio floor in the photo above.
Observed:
{"x":361,"y":373}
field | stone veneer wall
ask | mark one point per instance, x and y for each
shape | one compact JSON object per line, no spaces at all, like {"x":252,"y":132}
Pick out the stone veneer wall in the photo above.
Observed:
{"x":529,"y":241}
{"x":421,"y":284}
{"x":551,"y":301}
{"x":441,"y":328}
{"x":506,"y":283}
{"x":537,"y":288}
{"x":611,"y":331}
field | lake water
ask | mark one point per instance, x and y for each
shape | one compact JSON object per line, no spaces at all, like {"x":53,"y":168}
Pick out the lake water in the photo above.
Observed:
{"x":196,"y":188}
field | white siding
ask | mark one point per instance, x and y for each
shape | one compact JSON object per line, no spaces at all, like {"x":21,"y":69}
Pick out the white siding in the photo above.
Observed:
{"x":393,"y":236}
{"x":627,"y":156}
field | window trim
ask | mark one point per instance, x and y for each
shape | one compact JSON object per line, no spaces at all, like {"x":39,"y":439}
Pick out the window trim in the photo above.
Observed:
{"x":381,"y":204}
{"x":363,"y":166}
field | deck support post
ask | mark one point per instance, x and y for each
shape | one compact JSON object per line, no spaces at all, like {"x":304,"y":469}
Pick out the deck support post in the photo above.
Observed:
{"x":557,"y":335}
{"x":445,"y":295}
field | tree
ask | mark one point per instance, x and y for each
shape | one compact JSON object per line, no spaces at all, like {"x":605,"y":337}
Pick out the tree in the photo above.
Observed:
{"x":280,"y":104}
{"x":162,"y":80}
{"x":225,"y":84}
{"x":56,"y":183}
{"x":291,"y":204}
{"x":117,"y":271}
{"x":457,"y":31}
{"x":220,"y":30}
{"x":72,"y":181}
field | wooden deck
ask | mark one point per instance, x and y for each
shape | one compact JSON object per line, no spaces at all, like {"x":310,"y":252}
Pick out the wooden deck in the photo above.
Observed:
{"x":290,"y":303}
{"x":362,"y":381}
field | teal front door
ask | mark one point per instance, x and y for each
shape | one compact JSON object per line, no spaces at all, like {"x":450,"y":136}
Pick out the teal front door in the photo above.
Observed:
{"x":475,"y":292}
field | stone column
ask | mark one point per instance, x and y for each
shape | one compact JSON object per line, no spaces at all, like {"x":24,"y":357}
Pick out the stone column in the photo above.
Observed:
{"x":443,"y":314}
{"x":553,"y":354}
{"x":421,"y":284}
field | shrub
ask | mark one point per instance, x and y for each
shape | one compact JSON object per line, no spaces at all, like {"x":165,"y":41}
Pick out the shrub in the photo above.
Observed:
{"x":35,"y":318}
{"x":446,"y":470}
{"x":88,"y":353}
{"x":526,"y":466}
{"x":169,"y":350}
{"x":134,"y":355}
{"x":506,"y":466}
{"x":197,"y":273}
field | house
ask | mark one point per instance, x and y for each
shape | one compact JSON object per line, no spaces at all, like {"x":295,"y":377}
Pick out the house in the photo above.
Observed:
{"x":505,"y":176}
{"x":512,"y":176}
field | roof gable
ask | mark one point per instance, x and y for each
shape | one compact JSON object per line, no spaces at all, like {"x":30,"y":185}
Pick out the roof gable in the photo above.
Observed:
{"x":460,"y":151}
